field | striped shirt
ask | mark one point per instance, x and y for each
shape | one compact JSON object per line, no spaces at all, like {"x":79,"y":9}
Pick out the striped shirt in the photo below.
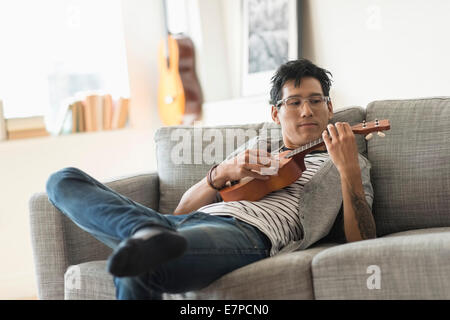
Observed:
{"x":277,"y":213}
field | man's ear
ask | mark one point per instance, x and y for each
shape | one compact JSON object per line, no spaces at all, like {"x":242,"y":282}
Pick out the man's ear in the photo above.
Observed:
{"x":275,"y":115}
{"x":330,"y":110}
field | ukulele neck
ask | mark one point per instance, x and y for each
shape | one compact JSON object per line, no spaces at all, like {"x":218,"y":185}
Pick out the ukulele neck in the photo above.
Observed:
{"x":306,"y":148}
{"x":362,"y":128}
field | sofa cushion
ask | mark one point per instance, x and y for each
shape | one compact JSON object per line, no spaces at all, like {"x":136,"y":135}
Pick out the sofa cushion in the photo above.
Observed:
{"x":285,"y":276}
{"x":410,"y":166}
{"x":89,"y":281}
{"x":412,"y":264}
{"x":185,"y":154}
{"x":179,"y":170}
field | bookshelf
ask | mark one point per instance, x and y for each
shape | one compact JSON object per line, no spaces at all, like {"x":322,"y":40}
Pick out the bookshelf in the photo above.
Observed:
{"x":67,"y":137}
{"x":89,"y":113}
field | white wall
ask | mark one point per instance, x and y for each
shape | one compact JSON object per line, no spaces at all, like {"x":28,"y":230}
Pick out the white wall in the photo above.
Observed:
{"x":232,"y":19}
{"x":237,"y":111}
{"x":143,"y":30}
{"x":211,"y":54}
{"x":380,"y":49}
{"x":25,"y":165}
{"x":215,"y":27}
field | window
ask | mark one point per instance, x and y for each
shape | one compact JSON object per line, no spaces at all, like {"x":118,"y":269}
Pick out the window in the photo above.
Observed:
{"x":53,"y":49}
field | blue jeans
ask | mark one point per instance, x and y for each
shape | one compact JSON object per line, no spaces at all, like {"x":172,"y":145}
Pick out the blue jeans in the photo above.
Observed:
{"x":216,"y":244}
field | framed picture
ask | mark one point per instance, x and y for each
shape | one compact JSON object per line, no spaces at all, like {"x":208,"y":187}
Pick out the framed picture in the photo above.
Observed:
{"x":270,"y":38}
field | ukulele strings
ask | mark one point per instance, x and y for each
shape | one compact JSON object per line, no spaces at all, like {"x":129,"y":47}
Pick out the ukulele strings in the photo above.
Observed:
{"x":304,"y":147}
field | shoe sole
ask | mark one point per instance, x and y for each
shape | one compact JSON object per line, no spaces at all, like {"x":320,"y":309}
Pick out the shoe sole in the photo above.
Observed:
{"x":137,"y":256}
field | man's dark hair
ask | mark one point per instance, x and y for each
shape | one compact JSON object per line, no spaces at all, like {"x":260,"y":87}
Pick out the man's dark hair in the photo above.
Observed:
{"x":296,"y":70}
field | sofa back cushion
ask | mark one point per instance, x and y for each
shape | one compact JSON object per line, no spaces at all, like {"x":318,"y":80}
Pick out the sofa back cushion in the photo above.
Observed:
{"x":186,"y":153}
{"x":411,"y":165}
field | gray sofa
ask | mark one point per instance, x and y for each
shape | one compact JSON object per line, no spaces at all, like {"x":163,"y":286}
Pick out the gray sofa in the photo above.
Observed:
{"x":410,"y":258}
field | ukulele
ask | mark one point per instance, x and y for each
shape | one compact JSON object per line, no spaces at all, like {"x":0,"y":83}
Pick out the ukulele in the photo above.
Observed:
{"x":180,"y":96}
{"x":291,"y":167}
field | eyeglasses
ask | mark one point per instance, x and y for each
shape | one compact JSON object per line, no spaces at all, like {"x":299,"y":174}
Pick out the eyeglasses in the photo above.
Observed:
{"x":293,"y":103}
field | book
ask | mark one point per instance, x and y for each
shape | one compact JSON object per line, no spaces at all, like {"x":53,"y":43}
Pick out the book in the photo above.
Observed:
{"x":94,"y":112}
{"x":121,"y":111}
{"x":31,"y":133}
{"x":108,"y":107}
{"x":77,"y":117}
{"x":29,"y":127}
{"x":99,"y":112}
{"x":94,"y":103}
{"x":28,"y":123}
{"x":3,"y":135}
{"x":87,"y":115}
{"x":80,"y":116}
{"x":75,"y":111}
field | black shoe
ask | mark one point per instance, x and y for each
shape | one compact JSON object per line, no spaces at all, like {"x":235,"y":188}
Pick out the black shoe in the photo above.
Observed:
{"x":135,"y":256}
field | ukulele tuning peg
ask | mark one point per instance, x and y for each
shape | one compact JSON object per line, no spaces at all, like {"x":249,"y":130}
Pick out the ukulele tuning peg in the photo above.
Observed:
{"x":381,"y":134}
{"x":369,"y":136}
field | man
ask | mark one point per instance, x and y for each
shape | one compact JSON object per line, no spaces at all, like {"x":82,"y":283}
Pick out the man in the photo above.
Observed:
{"x":207,"y":238}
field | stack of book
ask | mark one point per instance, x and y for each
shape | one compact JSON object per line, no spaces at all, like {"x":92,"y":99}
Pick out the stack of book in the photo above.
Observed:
{"x":2,"y":123}
{"x":93,"y":113}
{"x":21,"y":128}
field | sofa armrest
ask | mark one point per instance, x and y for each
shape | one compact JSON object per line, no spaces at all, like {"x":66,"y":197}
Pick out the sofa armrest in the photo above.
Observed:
{"x":58,"y":243}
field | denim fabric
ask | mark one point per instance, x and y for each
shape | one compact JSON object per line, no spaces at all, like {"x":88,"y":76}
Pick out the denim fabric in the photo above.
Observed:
{"x":216,"y":244}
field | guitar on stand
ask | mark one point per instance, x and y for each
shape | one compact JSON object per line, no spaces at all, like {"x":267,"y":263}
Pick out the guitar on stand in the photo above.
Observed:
{"x":180,"y":96}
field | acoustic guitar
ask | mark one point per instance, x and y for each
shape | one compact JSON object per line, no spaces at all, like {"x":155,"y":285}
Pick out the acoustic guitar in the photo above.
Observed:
{"x":291,"y":167}
{"x":180,"y":96}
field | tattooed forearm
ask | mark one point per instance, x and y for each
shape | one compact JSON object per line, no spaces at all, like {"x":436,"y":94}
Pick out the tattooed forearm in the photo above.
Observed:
{"x":359,"y":223}
{"x":364,"y":217}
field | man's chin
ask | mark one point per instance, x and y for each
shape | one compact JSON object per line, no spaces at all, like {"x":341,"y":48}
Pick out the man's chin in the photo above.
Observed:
{"x":306,"y":140}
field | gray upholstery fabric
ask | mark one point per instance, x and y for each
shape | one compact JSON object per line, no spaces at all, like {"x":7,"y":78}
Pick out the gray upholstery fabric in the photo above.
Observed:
{"x":89,"y":281}
{"x":286,"y":276}
{"x":58,"y":243}
{"x":413,"y":265}
{"x":411,"y":165}
{"x":175,"y":179}
{"x":48,"y":244}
